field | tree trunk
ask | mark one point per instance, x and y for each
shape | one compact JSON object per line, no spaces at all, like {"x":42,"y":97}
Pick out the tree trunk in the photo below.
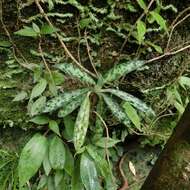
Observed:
{"x":172,"y":169}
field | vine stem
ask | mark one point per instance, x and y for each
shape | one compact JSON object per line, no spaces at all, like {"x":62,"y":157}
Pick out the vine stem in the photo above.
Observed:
{"x":61,"y":41}
{"x":168,"y":54}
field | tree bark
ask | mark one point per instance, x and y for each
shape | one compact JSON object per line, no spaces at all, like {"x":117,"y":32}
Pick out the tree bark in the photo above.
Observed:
{"x":172,"y":169}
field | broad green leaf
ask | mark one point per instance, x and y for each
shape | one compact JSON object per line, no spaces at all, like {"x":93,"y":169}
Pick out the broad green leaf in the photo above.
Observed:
{"x":57,"y":153}
{"x":42,"y":183}
{"x":46,"y":163}
{"x":116,"y":110}
{"x":76,"y":183}
{"x":132,"y":114}
{"x":105,"y":142}
{"x":62,"y":99}
{"x":36,"y":28}
{"x":38,"y":88}
{"x":137,"y":103}
{"x":54,"y":127}
{"x":156,"y":47}
{"x":141,"y":31}
{"x":81,"y":124}
{"x":47,"y":29}
{"x":70,"y":107}
{"x":180,"y":108}
{"x":51,"y":185}
{"x":37,"y":106}
{"x":184,"y":81}
{"x":40,"y":120}
{"x":31,"y":158}
{"x":141,"y":4}
{"x":27,"y":31}
{"x":20,"y":96}
{"x":69,"y":162}
{"x":69,"y":127}
{"x":5,"y":43}
{"x":88,"y":173}
{"x":122,"y":69}
{"x":58,"y":77}
{"x":159,"y":19}
{"x":85,"y":22}
{"x":75,"y":72}
{"x":58,"y":177}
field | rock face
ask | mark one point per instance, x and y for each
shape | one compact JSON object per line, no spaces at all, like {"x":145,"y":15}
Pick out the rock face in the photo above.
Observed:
{"x":172,"y":169}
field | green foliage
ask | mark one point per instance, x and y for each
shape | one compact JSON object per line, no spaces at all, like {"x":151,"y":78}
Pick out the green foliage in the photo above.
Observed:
{"x":76,"y":149}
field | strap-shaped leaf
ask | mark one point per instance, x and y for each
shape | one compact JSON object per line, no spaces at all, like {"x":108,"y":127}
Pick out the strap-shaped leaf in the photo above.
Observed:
{"x":116,"y":110}
{"x":31,"y":158}
{"x":81,"y":124}
{"x":62,"y":99}
{"x":88,"y":173}
{"x":103,"y":166}
{"x":122,"y":69}
{"x":70,"y":107}
{"x":137,"y":103}
{"x":75,"y":72}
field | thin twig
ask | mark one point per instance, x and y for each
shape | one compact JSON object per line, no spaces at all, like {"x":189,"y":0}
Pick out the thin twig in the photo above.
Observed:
{"x":88,"y":51}
{"x":61,"y":41}
{"x":175,"y":24}
{"x":125,"y":181}
{"x":168,"y":54}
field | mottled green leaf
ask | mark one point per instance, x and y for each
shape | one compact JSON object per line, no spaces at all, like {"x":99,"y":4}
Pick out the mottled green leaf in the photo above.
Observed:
{"x":54,"y":127}
{"x":132,"y":114}
{"x":137,"y":103}
{"x":31,"y":158}
{"x":141,"y":31}
{"x":122,"y":69}
{"x":70,"y":107}
{"x":51,"y":185}
{"x":81,"y":124}
{"x":38,"y":88}
{"x":62,"y":99}
{"x":75,"y":72}
{"x":116,"y":110}
{"x":106,"y":142}
{"x":37,"y":106}
{"x":88,"y":173}
{"x":57,"y":153}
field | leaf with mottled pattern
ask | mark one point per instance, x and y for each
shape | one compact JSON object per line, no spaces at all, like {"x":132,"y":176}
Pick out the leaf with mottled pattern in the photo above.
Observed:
{"x":62,"y":99}
{"x":137,"y":103}
{"x":81,"y":124}
{"x":116,"y":110}
{"x":70,"y":107}
{"x":88,"y":173}
{"x":75,"y":72}
{"x":122,"y":69}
